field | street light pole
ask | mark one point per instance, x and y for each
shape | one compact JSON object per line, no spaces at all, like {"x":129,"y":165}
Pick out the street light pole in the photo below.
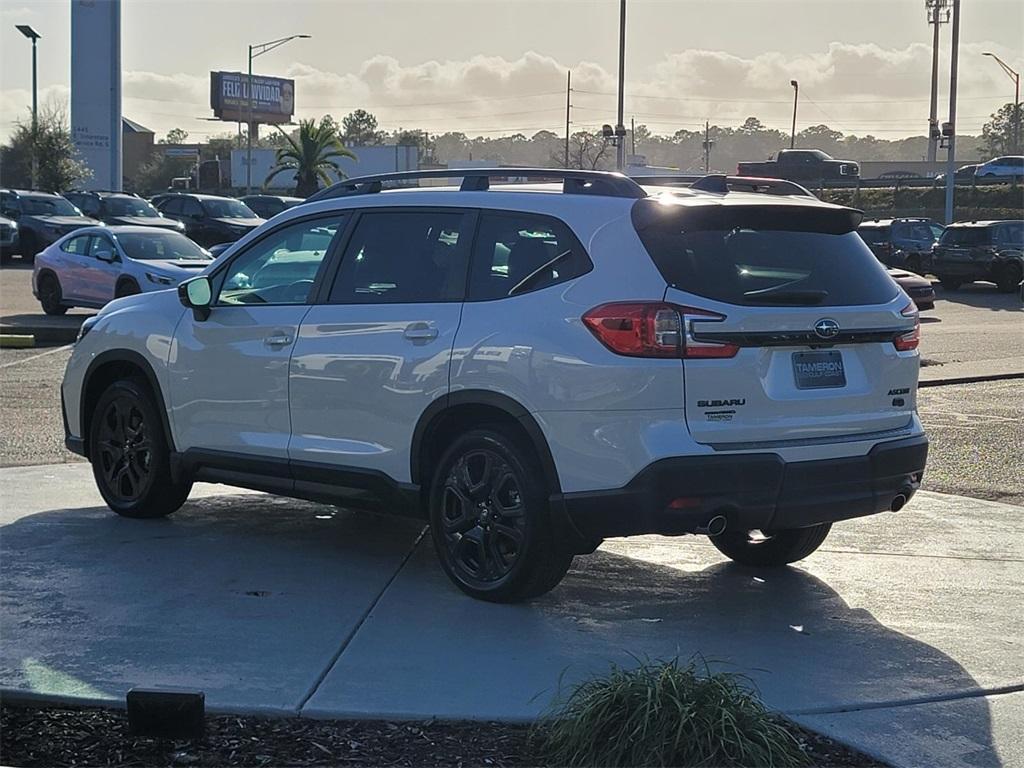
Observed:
{"x":796,"y":94}
{"x":620,"y":129}
{"x":951,"y":157}
{"x":258,"y":50}
{"x":32,"y":35}
{"x":938,"y":13}
{"x":1015,"y":76}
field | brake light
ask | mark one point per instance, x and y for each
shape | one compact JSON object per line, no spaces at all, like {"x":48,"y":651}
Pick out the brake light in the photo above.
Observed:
{"x":653,"y":329}
{"x":908,"y":341}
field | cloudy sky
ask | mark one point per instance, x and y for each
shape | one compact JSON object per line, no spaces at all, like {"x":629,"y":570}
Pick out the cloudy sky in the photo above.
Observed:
{"x":487,"y":67}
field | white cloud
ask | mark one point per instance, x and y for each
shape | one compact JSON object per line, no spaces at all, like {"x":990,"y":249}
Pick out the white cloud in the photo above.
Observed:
{"x":857,"y":88}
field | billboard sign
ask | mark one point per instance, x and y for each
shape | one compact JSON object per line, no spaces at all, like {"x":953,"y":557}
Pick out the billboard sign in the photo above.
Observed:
{"x":273,"y":98}
{"x":96,"y":89}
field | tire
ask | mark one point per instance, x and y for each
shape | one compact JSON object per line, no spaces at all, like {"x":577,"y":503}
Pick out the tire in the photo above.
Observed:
{"x":129,"y":454}
{"x":913,"y":264}
{"x":490,"y":522}
{"x":126,"y":288}
{"x":950,"y":283}
{"x":774,"y":548}
{"x":51,"y":295}
{"x":1008,"y":277}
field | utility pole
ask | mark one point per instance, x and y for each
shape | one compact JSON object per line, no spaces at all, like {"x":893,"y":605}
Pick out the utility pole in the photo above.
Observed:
{"x":34,"y":36}
{"x":632,"y":135}
{"x":568,"y":106}
{"x":796,"y":94}
{"x":1015,"y":76}
{"x":938,"y":13}
{"x":620,"y":128}
{"x":951,"y":157}
{"x":707,"y":147}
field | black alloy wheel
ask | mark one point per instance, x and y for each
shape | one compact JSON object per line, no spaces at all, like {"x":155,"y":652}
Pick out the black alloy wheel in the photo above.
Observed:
{"x":490,"y":521}
{"x":483,"y":517}
{"x":130,"y":456}
{"x":50,"y":295}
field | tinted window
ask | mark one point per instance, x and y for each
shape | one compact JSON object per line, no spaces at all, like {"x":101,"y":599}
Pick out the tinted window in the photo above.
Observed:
{"x":874,"y":235}
{"x":966,"y":236}
{"x":921,"y":232}
{"x":171,"y":205}
{"x":78,"y":245}
{"x":403,"y":257}
{"x":281,"y":267}
{"x":227,"y":209}
{"x":1012,"y":234}
{"x":160,"y":245}
{"x":191,"y":207}
{"x":48,"y":206}
{"x":100,"y":243}
{"x":129,"y":206}
{"x":88,"y":204}
{"x":524,"y":250}
{"x":757,"y":265}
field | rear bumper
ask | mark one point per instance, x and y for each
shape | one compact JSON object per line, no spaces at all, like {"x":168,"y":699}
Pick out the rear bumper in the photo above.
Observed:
{"x":753,"y":491}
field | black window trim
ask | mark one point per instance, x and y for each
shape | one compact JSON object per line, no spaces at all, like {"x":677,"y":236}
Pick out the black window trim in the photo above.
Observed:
{"x":217,"y":275}
{"x":468,"y":228}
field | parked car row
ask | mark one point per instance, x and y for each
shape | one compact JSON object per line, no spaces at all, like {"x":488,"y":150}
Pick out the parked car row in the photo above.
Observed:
{"x":33,"y":220}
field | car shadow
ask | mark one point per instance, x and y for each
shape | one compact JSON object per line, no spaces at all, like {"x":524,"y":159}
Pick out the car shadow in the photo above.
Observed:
{"x":247,"y":598}
{"x":980,"y":295}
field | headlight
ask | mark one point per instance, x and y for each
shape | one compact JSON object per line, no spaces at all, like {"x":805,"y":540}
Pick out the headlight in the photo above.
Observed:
{"x":85,"y":327}
{"x":156,"y":277}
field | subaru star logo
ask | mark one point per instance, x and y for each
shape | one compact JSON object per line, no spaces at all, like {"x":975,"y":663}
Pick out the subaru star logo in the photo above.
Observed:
{"x":826,"y":328}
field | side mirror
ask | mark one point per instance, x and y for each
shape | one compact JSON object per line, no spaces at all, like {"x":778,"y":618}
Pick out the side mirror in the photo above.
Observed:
{"x":197,"y":295}
{"x":107,"y":256}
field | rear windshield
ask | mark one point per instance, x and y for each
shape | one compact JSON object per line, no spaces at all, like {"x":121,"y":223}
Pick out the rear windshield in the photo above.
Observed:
{"x":874,"y":235}
{"x":760,"y":264}
{"x":966,"y":236}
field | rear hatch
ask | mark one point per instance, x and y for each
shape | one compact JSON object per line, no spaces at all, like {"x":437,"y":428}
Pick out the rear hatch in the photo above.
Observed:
{"x":961,"y":249}
{"x":792,"y":328}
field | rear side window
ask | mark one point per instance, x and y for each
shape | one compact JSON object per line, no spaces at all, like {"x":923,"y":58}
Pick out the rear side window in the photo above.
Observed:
{"x":404,"y":257}
{"x":77,"y":245}
{"x":874,"y":235}
{"x":966,"y":236}
{"x":744,"y":258}
{"x":518,"y":253}
{"x":1012,"y":234}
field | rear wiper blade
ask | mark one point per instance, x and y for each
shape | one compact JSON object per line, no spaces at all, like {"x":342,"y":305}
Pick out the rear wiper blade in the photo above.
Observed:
{"x":792,"y":296}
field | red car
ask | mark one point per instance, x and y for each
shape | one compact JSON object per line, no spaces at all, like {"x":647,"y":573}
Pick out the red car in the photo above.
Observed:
{"x":916,"y":287}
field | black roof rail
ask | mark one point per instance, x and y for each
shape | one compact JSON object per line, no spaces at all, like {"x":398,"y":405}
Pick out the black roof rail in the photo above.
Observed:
{"x":479,"y":179}
{"x":722,"y":184}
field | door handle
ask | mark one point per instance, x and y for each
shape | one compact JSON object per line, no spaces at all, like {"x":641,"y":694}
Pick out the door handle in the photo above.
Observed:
{"x":278,"y":340}
{"x":420,"y":332}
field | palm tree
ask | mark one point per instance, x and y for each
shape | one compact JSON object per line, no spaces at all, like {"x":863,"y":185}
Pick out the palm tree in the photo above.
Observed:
{"x":310,"y":155}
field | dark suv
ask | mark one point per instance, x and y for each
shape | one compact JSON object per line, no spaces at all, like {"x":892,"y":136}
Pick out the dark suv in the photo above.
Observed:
{"x":269,"y":206}
{"x":904,"y":243}
{"x":121,"y":208}
{"x":980,"y":250}
{"x":42,"y":218}
{"x":210,"y":219}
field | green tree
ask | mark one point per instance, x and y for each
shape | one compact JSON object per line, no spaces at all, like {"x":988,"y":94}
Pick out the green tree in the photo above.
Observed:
{"x":59,"y":167}
{"x":310,"y":155}
{"x":997,"y":135}
{"x":175,"y":136}
{"x":359,"y":129}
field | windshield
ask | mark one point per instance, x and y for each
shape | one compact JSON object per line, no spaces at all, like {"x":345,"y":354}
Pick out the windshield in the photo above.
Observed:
{"x":130,"y":206}
{"x":48,"y":206}
{"x":228,"y":209}
{"x":966,"y":236}
{"x":874,"y":235}
{"x":151,"y":246}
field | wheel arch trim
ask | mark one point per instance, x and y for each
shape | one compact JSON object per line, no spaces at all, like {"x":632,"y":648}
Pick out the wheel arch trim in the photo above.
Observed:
{"x":136,"y":359}
{"x":431,"y":416}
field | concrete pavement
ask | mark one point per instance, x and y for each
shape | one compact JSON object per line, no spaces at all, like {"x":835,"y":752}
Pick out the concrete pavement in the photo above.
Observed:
{"x":902,"y":636}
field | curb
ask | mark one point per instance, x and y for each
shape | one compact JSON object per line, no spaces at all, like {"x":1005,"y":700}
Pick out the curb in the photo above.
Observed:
{"x":16,"y":341}
{"x":43,"y":334}
{"x":970,"y":379}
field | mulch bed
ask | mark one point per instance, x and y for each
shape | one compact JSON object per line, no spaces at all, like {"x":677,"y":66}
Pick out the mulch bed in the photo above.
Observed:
{"x":56,"y":737}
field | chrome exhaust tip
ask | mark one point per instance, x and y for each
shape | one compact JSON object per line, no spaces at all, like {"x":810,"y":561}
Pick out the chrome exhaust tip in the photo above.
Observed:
{"x":715,"y":526}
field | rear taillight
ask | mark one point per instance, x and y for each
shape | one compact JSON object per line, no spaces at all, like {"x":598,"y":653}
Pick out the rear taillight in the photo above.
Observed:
{"x":654,"y":329}
{"x":908,"y":341}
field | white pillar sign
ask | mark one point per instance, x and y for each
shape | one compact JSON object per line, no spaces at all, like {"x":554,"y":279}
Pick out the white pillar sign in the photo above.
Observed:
{"x":96,"y":89}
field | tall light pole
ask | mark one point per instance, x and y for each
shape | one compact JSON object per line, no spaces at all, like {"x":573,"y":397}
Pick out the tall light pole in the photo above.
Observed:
{"x":32,"y":35}
{"x":938,"y":13}
{"x":1015,"y":76}
{"x":951,"y":157}
{"x":620,"y":128}
{"x":258,"y":50}
{"x":796,"y":95}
